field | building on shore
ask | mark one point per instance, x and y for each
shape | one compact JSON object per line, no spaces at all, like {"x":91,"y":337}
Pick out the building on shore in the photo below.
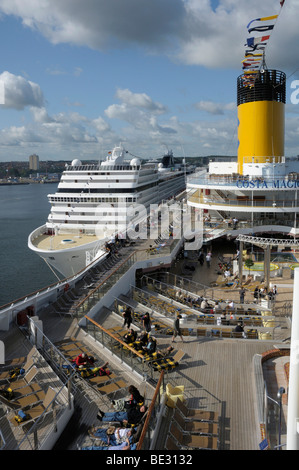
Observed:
{"x":34,"y":162}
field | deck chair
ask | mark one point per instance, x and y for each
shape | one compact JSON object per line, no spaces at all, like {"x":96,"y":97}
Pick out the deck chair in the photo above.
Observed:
{"x":226,"y":333}
{"x":27,"y":389}
{"x":37,"y":410}
{"x":15,"y":361}
{"x":111,"y":388}
{"x":25,"y":380}
{"x":168,"y":362}
{"x":195,"y":427}
{"x":201,"y":331}
{"x":192,"y":441}
{"x":26,"y":400}
{"x":196,"y":414}
{"x":101,"y":379}
{"x":26,"y":363}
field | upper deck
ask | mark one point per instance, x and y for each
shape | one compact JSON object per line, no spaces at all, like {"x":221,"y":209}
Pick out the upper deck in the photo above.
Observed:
{"x":243,"y":183}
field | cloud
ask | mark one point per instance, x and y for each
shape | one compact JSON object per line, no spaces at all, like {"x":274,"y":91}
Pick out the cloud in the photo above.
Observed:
{"x":215,"y":108}
{"x":195,"y":32}
{"x":99,"y":23}
{"x":19,"y":92}
{"x":139,"y":100}
{"x":140,"y":111}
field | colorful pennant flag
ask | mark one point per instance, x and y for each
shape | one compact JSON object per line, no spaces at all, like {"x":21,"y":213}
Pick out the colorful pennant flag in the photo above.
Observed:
{"x":252,"y":62}
{"x":265,"y":18}
{"x":254,"y":41}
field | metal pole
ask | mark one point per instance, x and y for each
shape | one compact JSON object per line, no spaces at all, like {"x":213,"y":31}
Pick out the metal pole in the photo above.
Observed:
{"x":241,"y":247}
{"x":293,"y":396}
{"x":267,"y":266}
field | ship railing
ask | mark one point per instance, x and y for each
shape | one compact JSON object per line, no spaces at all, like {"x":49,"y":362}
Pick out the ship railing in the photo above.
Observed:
{"x":94,"y":296}
{"x":39,"y":297}
{"x":245,"y":182}
{"x":216,"y":224}
{"x":102,"y":169}
{"x":180,"y":284}
{"x":153,"y":418}
{"x":37,"y":432}
{"x":2,"y":441}
{"x":125,"y":353}
{"x":57,"y":383}
{"x":188,"y":289}
{"x":259,"y":321}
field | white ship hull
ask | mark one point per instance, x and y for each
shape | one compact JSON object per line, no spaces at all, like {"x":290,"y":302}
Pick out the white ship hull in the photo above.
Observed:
{"x":67,"y":261}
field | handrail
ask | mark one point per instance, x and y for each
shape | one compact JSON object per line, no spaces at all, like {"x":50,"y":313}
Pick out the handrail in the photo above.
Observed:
{"x":150,"y":410}
{"x":114,"y":337}
{"x":60,"y":282}
{"x":104,"y":280}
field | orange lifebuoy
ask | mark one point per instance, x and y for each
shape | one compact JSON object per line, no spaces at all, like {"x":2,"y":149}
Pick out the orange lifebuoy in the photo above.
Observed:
{"x":66,"y":287}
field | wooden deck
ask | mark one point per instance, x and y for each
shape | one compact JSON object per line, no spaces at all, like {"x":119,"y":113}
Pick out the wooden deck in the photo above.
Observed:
{"x":217,"y":374}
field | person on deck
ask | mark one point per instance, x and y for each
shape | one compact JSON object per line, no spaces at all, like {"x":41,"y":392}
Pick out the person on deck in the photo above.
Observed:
{"x":83,"y":360}
{"x":132,"y":416}
{"x":146,"y":322}
{"x":127,"y":315}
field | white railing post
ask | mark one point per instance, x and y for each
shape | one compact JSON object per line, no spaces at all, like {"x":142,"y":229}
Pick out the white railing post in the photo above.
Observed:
{"x":293,"y":393}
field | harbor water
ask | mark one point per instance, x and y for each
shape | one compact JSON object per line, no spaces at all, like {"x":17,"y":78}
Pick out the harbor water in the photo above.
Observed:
{"x":22,"y":209}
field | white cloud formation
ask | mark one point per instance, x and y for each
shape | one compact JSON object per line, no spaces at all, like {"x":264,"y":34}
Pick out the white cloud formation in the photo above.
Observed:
{"x":19,"y":92}
{"x":140,"y":100}
{"x":140,"y":111}
{"x":197,"y":32}
{"x":215,"y":108}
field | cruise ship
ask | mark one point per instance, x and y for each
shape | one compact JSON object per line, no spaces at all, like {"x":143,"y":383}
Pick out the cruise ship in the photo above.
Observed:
{"x":95,"y":203}
{"x":256,"y":195}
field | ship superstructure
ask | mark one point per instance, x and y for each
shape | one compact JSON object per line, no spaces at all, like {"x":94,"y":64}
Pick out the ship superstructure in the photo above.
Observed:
{"x":257,"y":193}
{"x":93,"y":203}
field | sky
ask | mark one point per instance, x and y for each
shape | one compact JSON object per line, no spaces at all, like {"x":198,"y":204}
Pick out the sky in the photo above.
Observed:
{"x":79,"y":77}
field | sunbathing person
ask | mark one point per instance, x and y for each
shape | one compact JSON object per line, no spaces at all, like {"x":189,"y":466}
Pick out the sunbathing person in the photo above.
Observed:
{"x":141,"y":341}
{"x":151,"y":346}
{"x":123,"y":446}
{"x":135,"y":399}
{"x":112,"y":435}
{"x":164,"y":352}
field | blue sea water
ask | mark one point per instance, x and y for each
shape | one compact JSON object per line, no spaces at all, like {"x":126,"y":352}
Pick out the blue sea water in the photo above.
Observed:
{"x":22,"y":209}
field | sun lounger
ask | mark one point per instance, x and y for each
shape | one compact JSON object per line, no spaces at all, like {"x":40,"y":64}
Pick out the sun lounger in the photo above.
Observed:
{"x":192,"y":441}
{"x":19,"y":363}
{"x":101,"y":379}
{"x":26,"y":390}
{"x":168,"y":362}
{"x":196,"y":414}
{"x":111,"y":388}
{"x":37,"y":410}
{"x":195,"y":427}
{"x":26,"y":400}
{"x":25,"y":380}
{"x":15,"y":361}
{"x":170,"y":444}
